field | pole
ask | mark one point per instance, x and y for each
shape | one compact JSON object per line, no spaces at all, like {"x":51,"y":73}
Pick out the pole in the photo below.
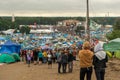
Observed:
{"x":87,"y":22}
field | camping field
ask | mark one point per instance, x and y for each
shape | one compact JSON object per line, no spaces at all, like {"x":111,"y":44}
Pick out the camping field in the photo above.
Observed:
{"x":20,"y":71}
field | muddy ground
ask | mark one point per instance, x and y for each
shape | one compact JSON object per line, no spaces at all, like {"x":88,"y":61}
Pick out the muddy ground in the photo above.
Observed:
{"x":20,"y":71}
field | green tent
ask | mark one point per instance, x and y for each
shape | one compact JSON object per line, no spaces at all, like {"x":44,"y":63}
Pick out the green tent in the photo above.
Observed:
{"x":6,"y":58}
{"x":115,"y":40}
{"x":117,"y":54}
{"x":16,"y":56}
{"x":113,"y":45}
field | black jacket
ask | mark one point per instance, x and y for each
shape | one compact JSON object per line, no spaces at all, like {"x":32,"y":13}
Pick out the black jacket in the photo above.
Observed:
{"x":64,"y":58}
{"x":70,"y":58}
{"x":99,"y":63}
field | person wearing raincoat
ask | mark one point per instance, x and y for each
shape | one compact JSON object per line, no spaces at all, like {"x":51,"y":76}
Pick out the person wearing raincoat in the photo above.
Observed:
{"x":99,"y":61}
{"x":44,"y":56}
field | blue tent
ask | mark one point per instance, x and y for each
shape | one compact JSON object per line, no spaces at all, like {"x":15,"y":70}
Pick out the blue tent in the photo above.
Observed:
{"x":10,"y":47}
{"x":2,"y":38}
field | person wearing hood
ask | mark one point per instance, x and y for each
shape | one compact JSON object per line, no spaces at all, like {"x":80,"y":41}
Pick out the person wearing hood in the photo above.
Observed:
{"x":86,"y":59}
{"x":99,"y":61}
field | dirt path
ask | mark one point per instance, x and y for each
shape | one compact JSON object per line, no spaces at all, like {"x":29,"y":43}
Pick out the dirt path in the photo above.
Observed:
{"x":20,"y":71}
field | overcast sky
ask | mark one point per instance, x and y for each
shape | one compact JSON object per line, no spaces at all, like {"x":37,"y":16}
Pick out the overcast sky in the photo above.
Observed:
{"x":59,"y":7}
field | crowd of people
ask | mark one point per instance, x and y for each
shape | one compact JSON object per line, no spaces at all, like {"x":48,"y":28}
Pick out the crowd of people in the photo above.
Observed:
{"x":62,"y":56}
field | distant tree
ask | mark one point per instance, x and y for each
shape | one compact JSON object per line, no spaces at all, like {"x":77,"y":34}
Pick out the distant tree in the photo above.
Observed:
{"x":25,"y":29}
{"x":117,"y":24}
{"x":116,"y":31}
{"x":14,"y":25}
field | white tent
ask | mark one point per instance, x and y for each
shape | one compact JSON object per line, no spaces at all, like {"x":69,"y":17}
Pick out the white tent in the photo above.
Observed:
{"x":9,"y":31}
{"x":41,"y":31}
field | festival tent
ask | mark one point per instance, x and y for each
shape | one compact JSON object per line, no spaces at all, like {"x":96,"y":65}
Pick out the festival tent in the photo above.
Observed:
{"x":117,"y":54}
{"x":9,"y":31}
{"x":10,"y":47}
{"x":6,"y":58}
{"x":112,"y":45}
{"x":2,"y":38}
{"x":16,"y":57}
{"x":117,"y":47}
{"x":115,"y":40}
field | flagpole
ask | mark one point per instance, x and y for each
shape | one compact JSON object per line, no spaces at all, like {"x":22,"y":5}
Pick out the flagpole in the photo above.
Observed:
{"x":87,"y":21}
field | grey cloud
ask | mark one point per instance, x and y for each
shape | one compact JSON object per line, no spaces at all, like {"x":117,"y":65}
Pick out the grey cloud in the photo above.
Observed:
{"x":41,"y":5}
{"x":56,"y":6}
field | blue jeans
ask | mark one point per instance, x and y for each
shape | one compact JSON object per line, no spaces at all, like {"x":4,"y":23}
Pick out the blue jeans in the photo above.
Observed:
{"x":44,"y":60}
{"x":100,"y":73}
{"x":85,"y":71}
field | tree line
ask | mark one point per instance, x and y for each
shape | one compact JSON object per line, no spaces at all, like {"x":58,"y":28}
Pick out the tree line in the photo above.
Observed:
{"x":54,"y":20}
{"x":116,"y":30}
{"x":6,"y":22}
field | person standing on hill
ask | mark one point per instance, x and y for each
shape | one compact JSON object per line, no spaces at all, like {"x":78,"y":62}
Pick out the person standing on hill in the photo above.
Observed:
{"x":49,"y":60}
{"x":74,"y":53}
{"x":23,"y":55}
{"x":35,"y":55}
{"x":28,"y":54}
{"x":45,"y":56}
{"x":70,"y":61}
{"x":99,"y":61}
{"x":86,"y":58}
{"x":40,"y":55}
{"x":59,"y":58}
{"x":64,"y":61}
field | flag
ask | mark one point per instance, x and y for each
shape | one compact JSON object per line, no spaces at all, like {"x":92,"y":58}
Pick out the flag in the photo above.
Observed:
{"x":94,"y":25}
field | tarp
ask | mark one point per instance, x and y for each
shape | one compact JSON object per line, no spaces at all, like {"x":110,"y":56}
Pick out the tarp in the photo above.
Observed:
{"x":10,"y":47}
{"x":94,"y":25}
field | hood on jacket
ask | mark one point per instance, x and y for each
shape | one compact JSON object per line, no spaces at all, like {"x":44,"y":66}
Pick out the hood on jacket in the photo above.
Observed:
{"x":99,"y":47}
{"x":100,"y":55}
